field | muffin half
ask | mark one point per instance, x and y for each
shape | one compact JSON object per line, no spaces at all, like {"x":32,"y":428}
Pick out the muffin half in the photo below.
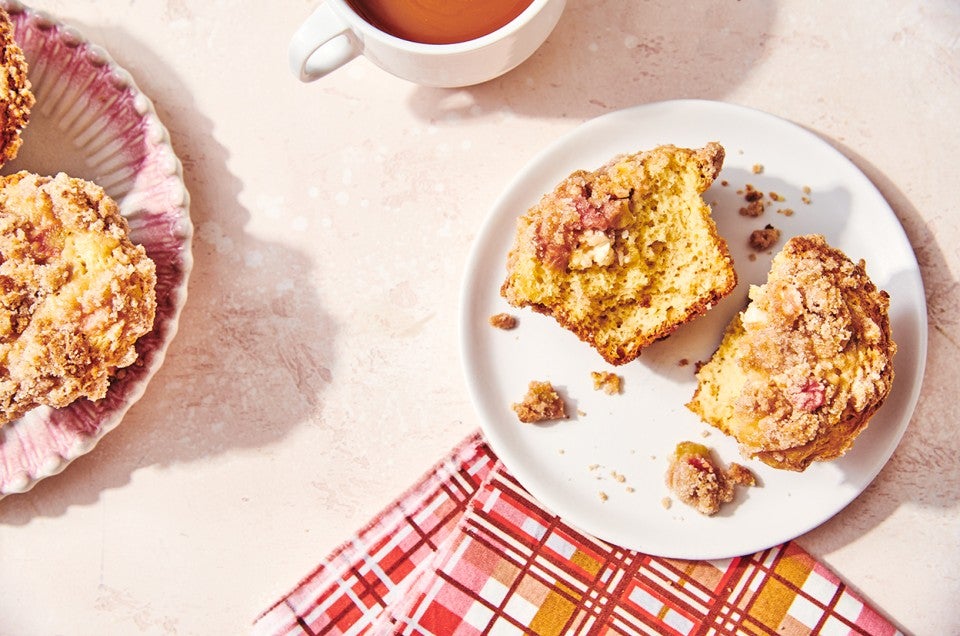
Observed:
{"x":804,"y":367}
{"x":624,"y":255}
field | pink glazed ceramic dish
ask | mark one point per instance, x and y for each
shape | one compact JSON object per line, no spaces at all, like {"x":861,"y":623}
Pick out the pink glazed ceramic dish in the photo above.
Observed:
{"x":91,"y":121}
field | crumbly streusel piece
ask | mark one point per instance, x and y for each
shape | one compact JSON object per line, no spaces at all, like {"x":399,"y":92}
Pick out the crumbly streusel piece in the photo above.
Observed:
{"x":503,"y":321}
{"x":765,"y":238}
{"x":754,"y":202}
{"x":16,"y":99}
{"x":741,"y":475}
{"x":541,"y":403}
{"x":75,"y":292}
{"x":696,"y":479}
{"x":804,"y":367}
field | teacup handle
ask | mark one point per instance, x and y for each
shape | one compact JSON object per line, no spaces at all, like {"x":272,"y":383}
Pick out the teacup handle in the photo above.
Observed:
{"x":323,"y":43}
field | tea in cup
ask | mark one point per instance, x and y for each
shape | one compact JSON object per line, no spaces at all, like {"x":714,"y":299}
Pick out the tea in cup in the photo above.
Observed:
{"x":438,"y":21}
{"x":444,"y":43}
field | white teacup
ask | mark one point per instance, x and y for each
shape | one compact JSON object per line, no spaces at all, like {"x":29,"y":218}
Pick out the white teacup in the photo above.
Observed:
{"x":335,"y":34}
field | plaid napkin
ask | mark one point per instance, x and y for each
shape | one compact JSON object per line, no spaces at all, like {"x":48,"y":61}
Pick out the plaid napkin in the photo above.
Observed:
{"x":468,"y":551}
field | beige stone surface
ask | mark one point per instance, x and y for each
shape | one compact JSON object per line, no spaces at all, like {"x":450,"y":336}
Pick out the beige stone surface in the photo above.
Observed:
{"x":316,"y":373}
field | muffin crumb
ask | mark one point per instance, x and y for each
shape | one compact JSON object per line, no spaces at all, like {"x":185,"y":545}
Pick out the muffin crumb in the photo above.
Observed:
{"x":754,"y":200}
{"x":503,"y":321}
{"x":698,"y":481}
{"x":609,"y":383}
{"x":741,"y":475}
{"x":764,"y":239}
{"x":541,"y":403}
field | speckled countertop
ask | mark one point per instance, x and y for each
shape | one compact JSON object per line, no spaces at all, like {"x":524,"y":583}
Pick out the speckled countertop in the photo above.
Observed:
{"x":316,"y":371}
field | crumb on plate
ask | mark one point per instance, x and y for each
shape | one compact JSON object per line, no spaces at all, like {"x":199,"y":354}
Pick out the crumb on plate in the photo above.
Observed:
{"x":609,"y":383}
{"x":698,"y":481}
{"x":541,"y":403}
{"x":503,"y":321}
{"x":764,"y":239}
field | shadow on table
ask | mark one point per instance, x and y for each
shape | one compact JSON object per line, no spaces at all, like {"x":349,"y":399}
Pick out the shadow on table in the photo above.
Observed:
{"x":628,"y":53}
{"x":205,"y":401}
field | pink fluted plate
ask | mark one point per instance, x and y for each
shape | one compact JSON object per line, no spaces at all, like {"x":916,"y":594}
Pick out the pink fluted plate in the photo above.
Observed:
{"x":92,"y":122}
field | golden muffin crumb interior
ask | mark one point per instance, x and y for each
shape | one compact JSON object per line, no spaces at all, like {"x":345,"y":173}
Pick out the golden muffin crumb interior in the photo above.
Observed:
{"x":624,"y":255}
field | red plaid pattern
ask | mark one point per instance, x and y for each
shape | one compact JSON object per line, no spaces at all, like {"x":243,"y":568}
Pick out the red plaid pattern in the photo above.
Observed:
{"x":468,"y":551}
{"x":349,"y":590}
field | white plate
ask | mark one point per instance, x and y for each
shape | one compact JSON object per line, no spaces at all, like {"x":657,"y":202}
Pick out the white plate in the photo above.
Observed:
{"x":567,"y":464}
{"x":92,"y":122}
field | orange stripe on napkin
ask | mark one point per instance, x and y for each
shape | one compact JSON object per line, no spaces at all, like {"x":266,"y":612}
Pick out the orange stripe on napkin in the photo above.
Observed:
{"x":468,"y":551}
